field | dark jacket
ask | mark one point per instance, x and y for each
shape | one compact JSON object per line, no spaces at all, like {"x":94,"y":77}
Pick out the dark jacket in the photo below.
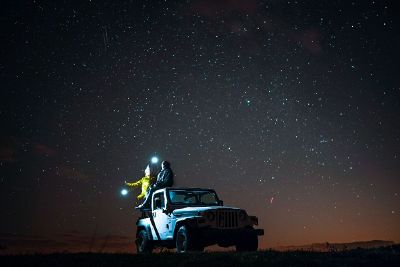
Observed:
{"x":164,"y":179}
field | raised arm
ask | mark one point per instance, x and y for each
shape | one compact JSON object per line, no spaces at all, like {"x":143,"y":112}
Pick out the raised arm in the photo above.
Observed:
{"x":137,"y":183}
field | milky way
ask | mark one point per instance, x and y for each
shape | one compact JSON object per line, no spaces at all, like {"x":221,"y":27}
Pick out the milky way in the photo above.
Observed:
{"x":289,"y":109}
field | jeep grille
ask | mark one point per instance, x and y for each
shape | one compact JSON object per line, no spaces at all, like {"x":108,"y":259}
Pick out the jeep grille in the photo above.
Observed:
{"x":227,"y":219}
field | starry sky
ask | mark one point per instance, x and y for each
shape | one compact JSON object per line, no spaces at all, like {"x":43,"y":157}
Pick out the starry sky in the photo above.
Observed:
{"x":289,"y":109}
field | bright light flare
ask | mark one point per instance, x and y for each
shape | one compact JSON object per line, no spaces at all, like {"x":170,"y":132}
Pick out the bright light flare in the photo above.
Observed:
{"x":124,"y":192}
{"x":154,"y":160}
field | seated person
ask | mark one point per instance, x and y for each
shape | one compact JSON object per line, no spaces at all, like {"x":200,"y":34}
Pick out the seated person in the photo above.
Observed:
{"x":145,"y":182}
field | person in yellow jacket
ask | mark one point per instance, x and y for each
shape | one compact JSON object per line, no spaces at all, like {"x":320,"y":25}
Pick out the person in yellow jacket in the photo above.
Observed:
{"x":145,"y":182}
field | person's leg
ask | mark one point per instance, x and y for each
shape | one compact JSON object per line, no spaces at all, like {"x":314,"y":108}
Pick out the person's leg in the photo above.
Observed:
{"x":147,"y":201}
{"x":143,"y":193}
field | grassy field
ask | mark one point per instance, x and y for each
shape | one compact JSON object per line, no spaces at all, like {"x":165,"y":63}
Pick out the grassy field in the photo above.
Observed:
{"x":388,"y":256}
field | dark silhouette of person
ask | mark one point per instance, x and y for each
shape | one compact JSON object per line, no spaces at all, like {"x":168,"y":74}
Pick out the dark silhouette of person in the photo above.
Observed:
{"x":164,"y":179}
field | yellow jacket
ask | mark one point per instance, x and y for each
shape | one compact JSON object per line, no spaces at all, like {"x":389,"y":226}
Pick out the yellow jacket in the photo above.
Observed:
{"x":145,"y":181}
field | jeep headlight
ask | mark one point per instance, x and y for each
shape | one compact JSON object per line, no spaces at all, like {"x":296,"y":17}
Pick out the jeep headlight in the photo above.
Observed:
{"x":242,"y":215}
{"x":254,"y":220}
{"x":210,"y":216}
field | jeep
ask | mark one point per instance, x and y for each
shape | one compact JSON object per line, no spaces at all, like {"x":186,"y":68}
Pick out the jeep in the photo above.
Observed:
{"x":190,"y":219}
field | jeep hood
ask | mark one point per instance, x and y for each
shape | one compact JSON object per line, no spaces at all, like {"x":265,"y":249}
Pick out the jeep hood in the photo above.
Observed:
{"x":195,"y":210}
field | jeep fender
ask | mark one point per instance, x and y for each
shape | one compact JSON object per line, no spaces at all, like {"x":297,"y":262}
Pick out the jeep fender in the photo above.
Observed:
{"x":144,"y":227}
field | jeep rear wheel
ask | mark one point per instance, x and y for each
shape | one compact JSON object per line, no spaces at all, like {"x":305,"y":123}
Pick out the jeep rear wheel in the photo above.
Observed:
{"x":143,"y":243}
{"x":248,"y":241}
{"x":186,"y":240}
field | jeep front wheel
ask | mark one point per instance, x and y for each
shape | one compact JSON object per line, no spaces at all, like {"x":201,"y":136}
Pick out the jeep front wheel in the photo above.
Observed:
{"x":186,"y":240}
{"x":143,"y":243}
{"x":248,"y":241}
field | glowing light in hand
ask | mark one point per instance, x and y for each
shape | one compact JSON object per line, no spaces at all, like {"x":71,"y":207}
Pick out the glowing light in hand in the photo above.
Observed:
{"x":154,"y":160}
{"x":124,"y":192}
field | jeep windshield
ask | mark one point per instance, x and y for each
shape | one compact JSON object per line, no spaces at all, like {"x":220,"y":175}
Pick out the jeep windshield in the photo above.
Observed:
{"x":193,"y":197}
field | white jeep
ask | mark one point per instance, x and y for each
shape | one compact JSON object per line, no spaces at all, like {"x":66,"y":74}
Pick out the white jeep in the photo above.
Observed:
{"x":190,"y":219}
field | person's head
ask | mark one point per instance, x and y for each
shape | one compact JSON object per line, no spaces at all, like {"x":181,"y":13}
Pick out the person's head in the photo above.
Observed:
{"x":147,"y":171}
{"x":165,"y":164}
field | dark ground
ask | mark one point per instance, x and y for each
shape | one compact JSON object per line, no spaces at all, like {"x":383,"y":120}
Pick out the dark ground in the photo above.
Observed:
{"x":388,"y":256}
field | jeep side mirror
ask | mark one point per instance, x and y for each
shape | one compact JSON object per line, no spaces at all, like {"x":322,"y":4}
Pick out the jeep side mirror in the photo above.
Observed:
{"x":221,"y":203}
{"x":167,"y":209}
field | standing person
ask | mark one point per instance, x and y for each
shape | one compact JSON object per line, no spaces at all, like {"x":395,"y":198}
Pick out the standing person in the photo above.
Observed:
{"x":164,"y":179}
{"x":146,"y":181}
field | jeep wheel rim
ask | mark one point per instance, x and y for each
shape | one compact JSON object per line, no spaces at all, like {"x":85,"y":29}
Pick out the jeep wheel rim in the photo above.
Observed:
{"x":181,"y":242}
{"x":140,"y":243}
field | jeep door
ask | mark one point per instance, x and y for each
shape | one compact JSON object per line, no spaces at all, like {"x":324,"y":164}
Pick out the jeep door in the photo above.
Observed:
{"x":161,"y":219}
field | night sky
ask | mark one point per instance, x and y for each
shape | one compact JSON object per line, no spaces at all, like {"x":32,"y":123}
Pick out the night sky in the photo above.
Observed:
{"x":289,"y":109}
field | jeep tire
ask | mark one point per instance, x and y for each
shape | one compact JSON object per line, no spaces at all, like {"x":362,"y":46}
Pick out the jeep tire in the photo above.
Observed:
{"x":143,"y":243}
{"x":186,"y":240}
{"x":248,"y":241}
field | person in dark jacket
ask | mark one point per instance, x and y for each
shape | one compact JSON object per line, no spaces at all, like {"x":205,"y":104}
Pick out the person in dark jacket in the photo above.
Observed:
{"x":164,"y":179}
